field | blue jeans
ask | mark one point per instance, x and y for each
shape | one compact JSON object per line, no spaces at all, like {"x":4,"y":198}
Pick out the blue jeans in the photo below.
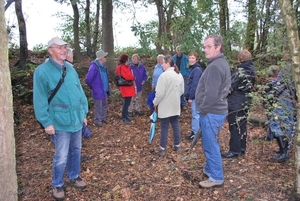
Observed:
{"x":164,"y":128}
{"x":281,"y":122}
{"x":195,"y":117}
{"x":67,"y":155}
{"x":211,"y":124}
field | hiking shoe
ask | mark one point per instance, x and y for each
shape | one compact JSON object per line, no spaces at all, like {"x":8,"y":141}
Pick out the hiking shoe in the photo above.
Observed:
{"x":130,"y":114}
{"x":139,"y":112}
{"x":229,"y":155}
{"x":99,"y":124}
{"x":210,"y":184}
{"x":126,"y":121}
{"x":105,"y":121}
{"x":77,"y":183}
{"x":58,"y":193}
{"x":83,"y":159}
{"x":177,"y":148}
{"x":161,"y":151}
{"x":206,"y":173}
{"x":190,"y":137}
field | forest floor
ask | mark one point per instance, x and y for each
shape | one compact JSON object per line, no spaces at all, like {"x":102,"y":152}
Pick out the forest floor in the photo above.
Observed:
{"x":122,"y":165}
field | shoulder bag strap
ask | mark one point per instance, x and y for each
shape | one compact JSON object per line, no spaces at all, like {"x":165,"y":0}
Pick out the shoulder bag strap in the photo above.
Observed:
{"x":59,"y":84}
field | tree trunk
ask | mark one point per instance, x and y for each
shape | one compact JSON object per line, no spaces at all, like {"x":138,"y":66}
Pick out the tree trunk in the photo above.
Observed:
{"x":293,"y":38}
{"x":161,"y":25}
{"x":8,"y":181}
{"x":96,"y":30}
{"x":107,"y":32}
{"x":88,"y":37}
{"x":224,"y":22}
{"x":8,"y":3}
{"x":168,"y":41}
{"x":22,"y":32}
{"x":251,"y":26}
{"x":76,"y":31}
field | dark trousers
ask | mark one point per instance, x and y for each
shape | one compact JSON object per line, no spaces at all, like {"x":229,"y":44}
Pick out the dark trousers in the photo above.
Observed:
{"x":237,"y":121}
{"x":126,"y":103}
{"x":164,"y":126}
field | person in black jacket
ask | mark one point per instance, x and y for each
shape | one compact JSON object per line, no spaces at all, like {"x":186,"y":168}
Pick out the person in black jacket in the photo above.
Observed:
{"x":194,"y":77}
{"x":239,"y":101}
{"x":283,"y":117}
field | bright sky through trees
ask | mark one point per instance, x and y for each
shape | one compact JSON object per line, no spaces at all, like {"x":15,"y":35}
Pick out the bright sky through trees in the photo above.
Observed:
{"x":41,"y":22}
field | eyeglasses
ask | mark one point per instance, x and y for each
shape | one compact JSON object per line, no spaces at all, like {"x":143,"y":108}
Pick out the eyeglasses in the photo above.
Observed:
{"x":208,"y":47}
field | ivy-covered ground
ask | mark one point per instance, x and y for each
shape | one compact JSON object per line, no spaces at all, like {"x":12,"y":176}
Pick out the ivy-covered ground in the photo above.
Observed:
{"x":122,"y":165}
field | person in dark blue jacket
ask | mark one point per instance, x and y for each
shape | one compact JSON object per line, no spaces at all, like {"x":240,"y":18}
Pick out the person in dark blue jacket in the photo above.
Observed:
{"x":194,"y":77}
{"x":239,"y":102}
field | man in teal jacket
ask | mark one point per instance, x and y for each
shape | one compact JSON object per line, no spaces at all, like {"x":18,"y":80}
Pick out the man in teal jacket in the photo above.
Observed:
{"x":181,"y":61}
{"x":63,"y":117}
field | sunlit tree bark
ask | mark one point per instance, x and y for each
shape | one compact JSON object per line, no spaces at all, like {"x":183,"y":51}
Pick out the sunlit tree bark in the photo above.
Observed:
{"x":8,"y":181}
{"x":294,"y":44}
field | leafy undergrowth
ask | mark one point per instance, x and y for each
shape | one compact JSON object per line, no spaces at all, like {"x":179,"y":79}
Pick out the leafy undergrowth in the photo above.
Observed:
{"x":122,"y":165}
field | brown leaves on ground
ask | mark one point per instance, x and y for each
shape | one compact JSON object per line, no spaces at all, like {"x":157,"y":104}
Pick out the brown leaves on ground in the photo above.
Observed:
{"x":122,"y":165}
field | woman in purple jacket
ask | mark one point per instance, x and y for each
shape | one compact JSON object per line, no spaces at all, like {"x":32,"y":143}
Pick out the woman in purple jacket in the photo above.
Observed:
{"x":97,"y":80}
{"x":141,"y":76}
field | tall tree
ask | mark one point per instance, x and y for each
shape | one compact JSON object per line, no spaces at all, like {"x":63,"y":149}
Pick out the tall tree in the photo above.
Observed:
{"x":107,"y":31}
{"x":161,"y":24}
{"x":293,"y":39}
{"x":23,"y":34}
{"x":251,"y":26}
{"x":88,"y":43}
{"x":8,"y":182}
{"x":76,"y":29}
{"x":8,"y":3}
{"x":96,"y":30}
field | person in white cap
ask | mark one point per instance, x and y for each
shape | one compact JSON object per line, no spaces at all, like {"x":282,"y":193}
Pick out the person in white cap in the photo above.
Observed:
{"x":97,"y":80}
{"x":62,"y":116}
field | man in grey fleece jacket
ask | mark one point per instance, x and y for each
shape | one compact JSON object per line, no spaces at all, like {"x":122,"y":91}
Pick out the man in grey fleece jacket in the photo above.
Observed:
{"x":211,"y":102}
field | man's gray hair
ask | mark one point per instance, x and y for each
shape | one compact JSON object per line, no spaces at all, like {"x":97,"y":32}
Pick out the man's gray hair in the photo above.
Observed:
{"x":160,"y":56}
{"x":217,"y":40}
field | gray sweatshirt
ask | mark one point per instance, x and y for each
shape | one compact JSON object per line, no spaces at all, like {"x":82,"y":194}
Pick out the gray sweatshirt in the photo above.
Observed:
{"x":213,"y":87}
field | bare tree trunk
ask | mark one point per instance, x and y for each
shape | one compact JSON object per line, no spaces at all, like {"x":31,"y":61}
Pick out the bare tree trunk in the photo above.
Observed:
{"x":293,"y":37}
{"x":8,"y":3}
{"x":76,"y":30}
{"x":222,"y":18}
{"x":168,"y":40}
{"x":251,"y":26}
{"x":107,"y":32}
{"x":22,"y":32}
{"x":224,"y":22}
{"x":96,"y":30}
{"x":88,"y":37}
{"x":8,"y":181}
{"x":161,"y":25}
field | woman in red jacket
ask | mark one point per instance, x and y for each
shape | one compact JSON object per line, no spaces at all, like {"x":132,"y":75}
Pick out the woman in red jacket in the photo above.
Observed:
{"x":127,"y":92}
